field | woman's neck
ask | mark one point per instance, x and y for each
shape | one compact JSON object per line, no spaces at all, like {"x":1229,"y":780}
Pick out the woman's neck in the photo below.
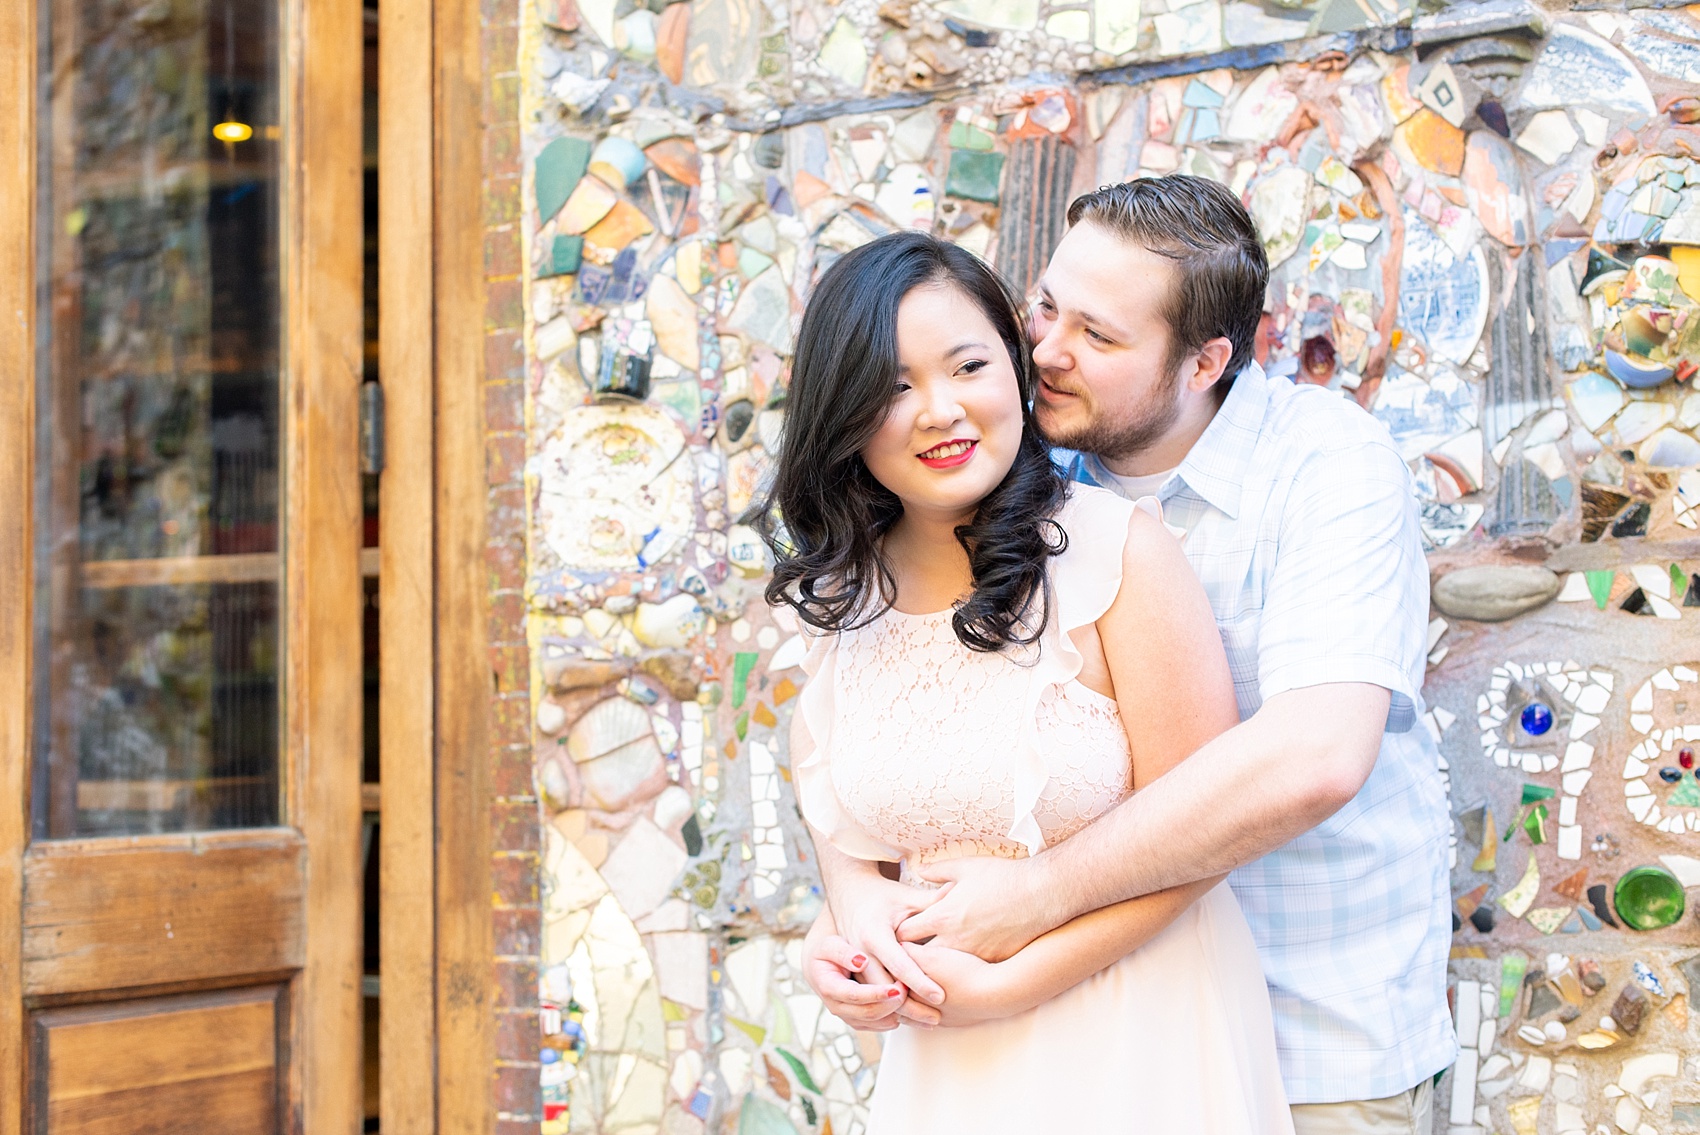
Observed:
{"x":929,"y":562}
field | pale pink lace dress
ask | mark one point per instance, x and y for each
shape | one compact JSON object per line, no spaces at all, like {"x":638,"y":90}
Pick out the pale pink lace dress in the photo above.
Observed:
{"x":925,"y":750}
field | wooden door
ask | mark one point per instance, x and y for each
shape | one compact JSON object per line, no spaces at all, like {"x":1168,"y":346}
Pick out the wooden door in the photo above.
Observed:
{"x":180,"y":594}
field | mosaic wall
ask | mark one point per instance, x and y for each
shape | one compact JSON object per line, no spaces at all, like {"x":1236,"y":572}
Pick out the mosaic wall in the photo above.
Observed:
{"x":1484,"y":226}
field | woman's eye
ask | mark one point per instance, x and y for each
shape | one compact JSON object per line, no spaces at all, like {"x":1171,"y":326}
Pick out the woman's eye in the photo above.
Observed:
{"x":973,"y":366}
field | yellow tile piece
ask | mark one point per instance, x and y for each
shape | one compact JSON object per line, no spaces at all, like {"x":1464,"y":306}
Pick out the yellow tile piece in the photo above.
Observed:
{"x":1520,"y":898}
{"x":784,"y":691}
{"x":754,"y":1032}
{"x":764,"y":716}
{"x":1489,"y":857}
{"x":1525,"y":1115}
{"x":590,"y":202}
{"x":1687,"y":260}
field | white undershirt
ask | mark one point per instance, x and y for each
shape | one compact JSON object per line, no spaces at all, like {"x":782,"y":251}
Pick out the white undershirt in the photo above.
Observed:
{"x":1145,"y":486}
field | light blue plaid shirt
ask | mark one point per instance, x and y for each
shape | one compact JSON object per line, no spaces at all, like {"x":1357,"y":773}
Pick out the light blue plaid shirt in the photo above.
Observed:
{"x":1301,"y":523}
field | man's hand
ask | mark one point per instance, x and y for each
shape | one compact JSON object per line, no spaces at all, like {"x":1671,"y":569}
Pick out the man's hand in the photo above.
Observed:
{"x":855,"y":988}
{"x":989,"y":907}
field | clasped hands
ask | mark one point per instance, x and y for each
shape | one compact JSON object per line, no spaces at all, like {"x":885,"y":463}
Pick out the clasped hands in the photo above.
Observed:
{"x":896,"y":953}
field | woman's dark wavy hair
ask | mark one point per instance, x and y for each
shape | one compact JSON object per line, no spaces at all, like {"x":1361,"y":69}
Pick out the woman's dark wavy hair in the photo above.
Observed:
{"x":825,"y":514}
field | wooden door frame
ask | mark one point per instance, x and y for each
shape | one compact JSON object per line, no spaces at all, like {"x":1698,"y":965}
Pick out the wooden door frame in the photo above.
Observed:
{"x":436,"y":949}
{"x":321,"y":289}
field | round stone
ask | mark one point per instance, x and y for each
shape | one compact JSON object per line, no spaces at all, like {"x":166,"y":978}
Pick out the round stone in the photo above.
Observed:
{"x":1492,"y":593}
{"x":1685,"y":757}
{"x":1670,"y":774}
{"x":1536,"y":718}
{"x":1648,"y":898}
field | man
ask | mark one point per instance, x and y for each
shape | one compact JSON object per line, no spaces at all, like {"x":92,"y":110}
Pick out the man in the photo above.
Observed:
{"x":1325,"y":802}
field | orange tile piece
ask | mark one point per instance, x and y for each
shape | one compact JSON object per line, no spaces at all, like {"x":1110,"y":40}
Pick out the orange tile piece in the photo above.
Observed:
{"x":775,"y":1078}
{"x":731,"y":750}
{"x":562,"y":14}
{"x":1434,"y":142}
{"x":784,"y":691}
{"x":806,"y":189}
{"x":677,"y":157}
{"x":670,"y":33}
{"x":1573,"y":887}
{"x":764,"y":716}
{"x":1396,"y":93}
{"x":623,"y":224}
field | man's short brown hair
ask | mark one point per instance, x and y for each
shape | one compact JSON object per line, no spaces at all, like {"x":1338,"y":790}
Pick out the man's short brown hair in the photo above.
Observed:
{"x":1201,"y":226}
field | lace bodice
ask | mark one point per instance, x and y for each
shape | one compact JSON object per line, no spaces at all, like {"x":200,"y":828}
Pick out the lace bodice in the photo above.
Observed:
{"x":924,"y":750}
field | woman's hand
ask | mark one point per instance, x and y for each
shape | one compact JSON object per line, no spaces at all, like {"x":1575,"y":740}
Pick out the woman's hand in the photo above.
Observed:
{"x":975,"y":990}
{"x":854,"y":987}
{"x":867,"y":912}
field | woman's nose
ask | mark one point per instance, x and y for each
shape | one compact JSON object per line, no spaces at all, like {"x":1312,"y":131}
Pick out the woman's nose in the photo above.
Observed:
{"x":942,"y":407}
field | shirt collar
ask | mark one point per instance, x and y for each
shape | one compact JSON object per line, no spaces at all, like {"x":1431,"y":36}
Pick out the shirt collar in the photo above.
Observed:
{"x":1215,"y":466}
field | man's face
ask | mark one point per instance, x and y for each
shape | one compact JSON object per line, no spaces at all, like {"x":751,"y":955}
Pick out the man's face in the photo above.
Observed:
{"x":1101,"y":344}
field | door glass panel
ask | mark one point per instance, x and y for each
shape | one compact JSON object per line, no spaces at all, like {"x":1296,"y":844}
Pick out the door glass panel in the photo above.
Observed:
{"x":158,"y":513}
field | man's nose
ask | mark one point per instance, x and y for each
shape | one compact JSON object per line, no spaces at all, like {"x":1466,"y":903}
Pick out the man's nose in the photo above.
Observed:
{"x":1048,"y":351}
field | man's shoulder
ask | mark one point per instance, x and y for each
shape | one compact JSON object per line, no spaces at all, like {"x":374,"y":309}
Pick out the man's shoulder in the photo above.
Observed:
{"x":1302,"y":420}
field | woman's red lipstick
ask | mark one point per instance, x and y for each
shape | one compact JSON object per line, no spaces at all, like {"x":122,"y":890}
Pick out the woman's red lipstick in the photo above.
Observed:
{"x":954,"y":459}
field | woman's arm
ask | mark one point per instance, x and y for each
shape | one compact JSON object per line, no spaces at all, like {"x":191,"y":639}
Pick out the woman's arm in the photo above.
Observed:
{"x":1171,"y":683}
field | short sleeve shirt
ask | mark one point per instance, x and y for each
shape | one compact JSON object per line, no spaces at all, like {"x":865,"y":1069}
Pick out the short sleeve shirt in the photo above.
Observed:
{"x":1301,"y":523}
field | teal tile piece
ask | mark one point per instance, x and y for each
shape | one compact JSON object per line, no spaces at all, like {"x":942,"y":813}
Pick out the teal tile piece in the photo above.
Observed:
{"x":752,"y":263}
{"x":559,"y":169}
{"x":1201,"y":95}
{"x":974,"y":175}
{"x":758,"y":1117}
{"x":565,"y":256}
{"x":967,"y":136}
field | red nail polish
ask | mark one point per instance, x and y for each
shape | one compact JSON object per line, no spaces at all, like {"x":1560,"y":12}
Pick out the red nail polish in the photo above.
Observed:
{"x":858,"y":961}
{"x":894,"y":993}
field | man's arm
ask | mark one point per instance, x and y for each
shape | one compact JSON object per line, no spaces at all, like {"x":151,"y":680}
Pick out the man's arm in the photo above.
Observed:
{"x":1342,"y":629}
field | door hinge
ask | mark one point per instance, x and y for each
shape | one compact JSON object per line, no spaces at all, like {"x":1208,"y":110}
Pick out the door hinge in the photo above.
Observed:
{"x":371,"y":428}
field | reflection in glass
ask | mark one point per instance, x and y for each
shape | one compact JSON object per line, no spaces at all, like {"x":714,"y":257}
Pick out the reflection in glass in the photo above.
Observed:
{"x":158,"y":494}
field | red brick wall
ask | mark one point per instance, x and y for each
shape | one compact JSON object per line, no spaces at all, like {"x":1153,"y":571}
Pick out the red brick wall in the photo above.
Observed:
{"x":514,"y":816}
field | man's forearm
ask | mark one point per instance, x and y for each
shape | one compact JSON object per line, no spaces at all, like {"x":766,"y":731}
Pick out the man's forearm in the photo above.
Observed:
{"x":1058,"y":961}
{"x":1242,"y":795}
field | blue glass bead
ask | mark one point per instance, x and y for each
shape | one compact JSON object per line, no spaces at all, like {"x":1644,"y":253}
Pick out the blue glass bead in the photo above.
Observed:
{"x":1536,"y":719}
{"x":1670,"y":775}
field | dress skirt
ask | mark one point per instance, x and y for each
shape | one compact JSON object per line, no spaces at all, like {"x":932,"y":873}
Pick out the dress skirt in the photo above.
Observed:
{"x":1174,"y":1039}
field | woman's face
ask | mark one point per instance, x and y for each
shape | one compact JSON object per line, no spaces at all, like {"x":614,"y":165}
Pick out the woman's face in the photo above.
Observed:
{"x":954,"y":425}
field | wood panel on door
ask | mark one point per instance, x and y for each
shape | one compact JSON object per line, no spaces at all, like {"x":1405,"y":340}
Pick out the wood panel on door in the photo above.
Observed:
{"x":207,"y":1062}
{"x":180,"y":686}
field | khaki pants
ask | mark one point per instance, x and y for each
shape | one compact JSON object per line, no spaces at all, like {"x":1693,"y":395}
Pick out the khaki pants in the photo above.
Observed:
{"x":1408,"y":1113}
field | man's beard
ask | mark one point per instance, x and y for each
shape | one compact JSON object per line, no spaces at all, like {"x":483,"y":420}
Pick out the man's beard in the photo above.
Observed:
{"x":1115,"y":440}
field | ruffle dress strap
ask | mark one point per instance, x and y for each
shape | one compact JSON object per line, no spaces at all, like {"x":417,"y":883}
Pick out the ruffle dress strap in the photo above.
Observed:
{"x":816,"y":795}
{"x":1085,"y":580}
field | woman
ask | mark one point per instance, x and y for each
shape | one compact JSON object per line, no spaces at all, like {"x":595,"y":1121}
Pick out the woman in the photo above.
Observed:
{"x":1000,"y":658}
